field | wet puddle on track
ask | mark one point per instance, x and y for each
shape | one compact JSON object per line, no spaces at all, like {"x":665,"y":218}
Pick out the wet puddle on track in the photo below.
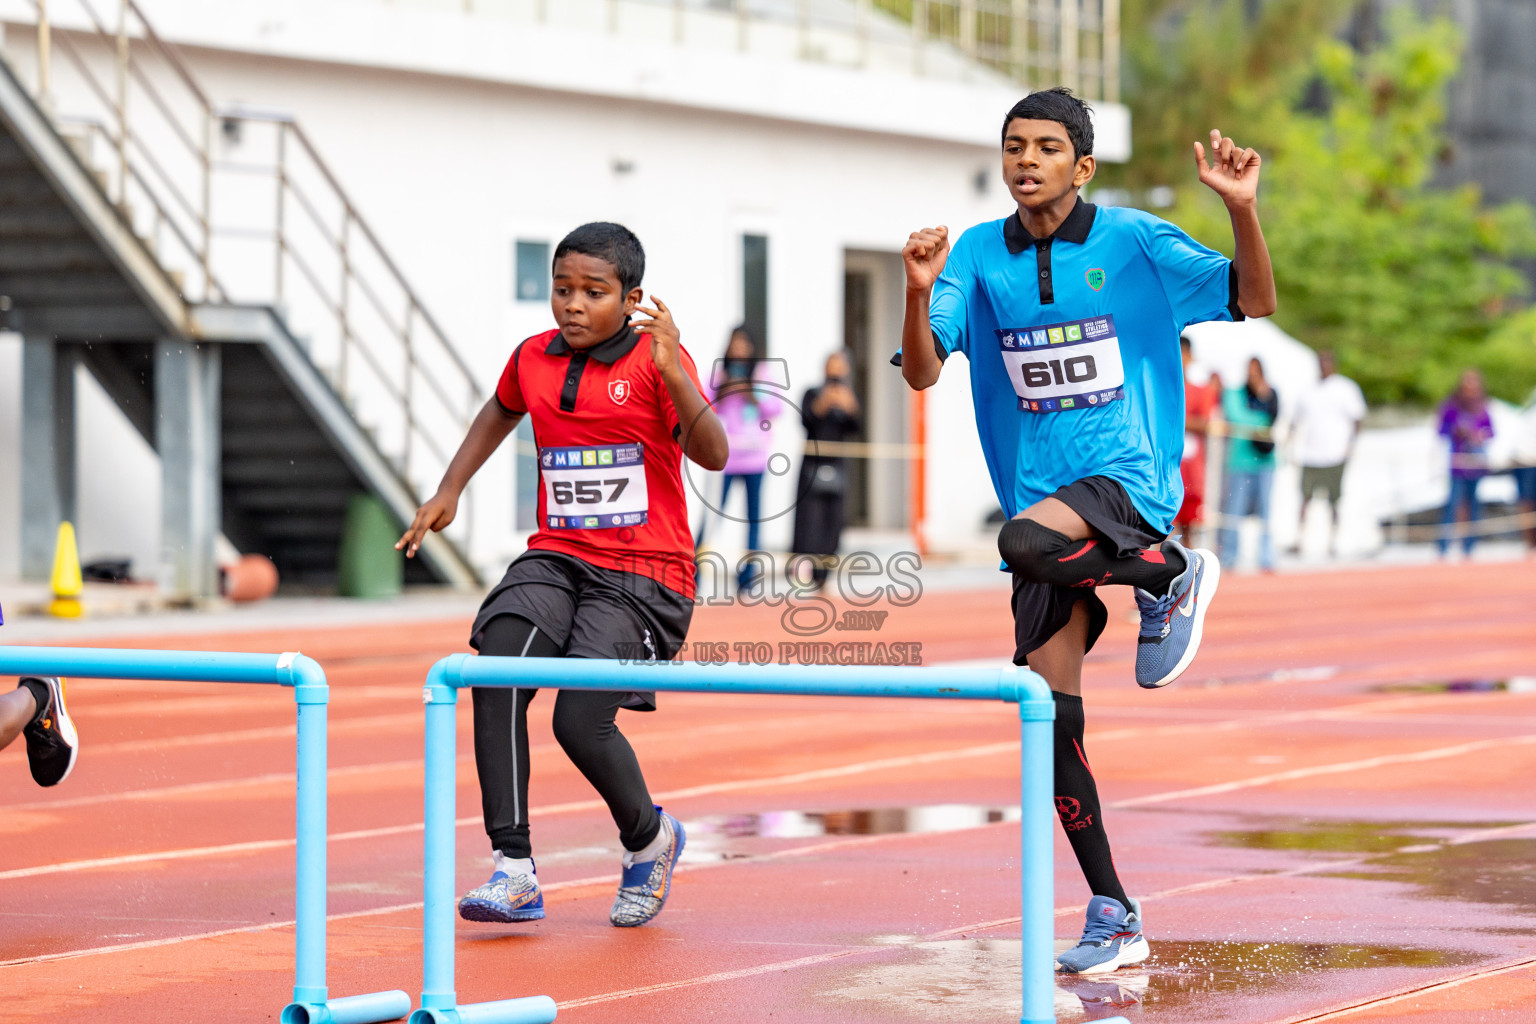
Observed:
{"x":1436,"y":858}
{"x":1197,"y":981}
{"x":978,"y":979}
{"x":713,"y":838}
{"x":1514,"y":684}
{"x":1322,"y":835}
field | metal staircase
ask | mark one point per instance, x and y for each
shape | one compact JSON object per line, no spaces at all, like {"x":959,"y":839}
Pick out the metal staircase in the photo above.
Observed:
{"x":142,"y":226}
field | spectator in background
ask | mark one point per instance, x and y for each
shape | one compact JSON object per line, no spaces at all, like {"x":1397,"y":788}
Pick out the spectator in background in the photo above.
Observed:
{"x":1464,"y":421}
{"x":747,"y":409}
{"x":1202,"y":397}
{"x":829,"y":412}
{"x":1323,"y":437}
{"x":1525,"y":470}
{"x":1250,"y":412}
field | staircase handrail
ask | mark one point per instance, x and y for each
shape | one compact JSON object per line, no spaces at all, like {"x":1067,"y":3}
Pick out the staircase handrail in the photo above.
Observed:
{"x":180,"y":195}
{"x":249,"y":114}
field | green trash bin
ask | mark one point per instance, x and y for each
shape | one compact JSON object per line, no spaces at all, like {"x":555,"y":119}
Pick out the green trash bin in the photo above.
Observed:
{"x":369,"y":565}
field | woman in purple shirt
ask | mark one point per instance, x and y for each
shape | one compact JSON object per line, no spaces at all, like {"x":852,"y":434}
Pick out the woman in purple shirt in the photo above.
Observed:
{"x":747,"y":408}
{"x":1465,"y":422}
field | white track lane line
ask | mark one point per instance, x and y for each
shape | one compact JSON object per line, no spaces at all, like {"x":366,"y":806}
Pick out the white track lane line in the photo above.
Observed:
{"x":799,"y":851}
{"x":124,"y":947}
{"x":822,"y":774}
{"x":710,"y":979}
{"x":363,"y":769}
{"x":1410,"y":993}
{"x":337,"y":726}
{"x":605,"y":880}
{"x":1357,"y":711}
{"x":1340,"y":767}
{"x":566,"y":808}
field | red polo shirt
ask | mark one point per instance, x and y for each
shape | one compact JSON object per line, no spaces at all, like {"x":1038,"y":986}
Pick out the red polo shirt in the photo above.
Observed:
{"x":610,"y":465}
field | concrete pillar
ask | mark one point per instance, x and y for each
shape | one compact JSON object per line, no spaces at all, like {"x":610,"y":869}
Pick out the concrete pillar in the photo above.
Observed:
{"x":187,"y":437}
{"x":47,"y":450}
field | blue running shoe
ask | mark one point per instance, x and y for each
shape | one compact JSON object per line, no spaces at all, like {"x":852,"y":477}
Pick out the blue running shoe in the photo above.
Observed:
{"x":646,"y":884}
{"x":1112,"y":938}
{"x":506,"y":899}
{"x":1171,"y":625}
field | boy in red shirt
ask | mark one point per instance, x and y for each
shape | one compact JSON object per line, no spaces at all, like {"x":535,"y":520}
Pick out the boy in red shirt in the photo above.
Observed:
{"x":1202,"y":397}
{"x":615,"y":406}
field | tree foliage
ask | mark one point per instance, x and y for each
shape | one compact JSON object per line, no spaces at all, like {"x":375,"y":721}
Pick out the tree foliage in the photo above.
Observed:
{"x":1409,"y":283}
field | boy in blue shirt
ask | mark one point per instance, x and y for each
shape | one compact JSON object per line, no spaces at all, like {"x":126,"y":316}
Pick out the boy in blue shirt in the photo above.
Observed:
{"x":1070,"y":317}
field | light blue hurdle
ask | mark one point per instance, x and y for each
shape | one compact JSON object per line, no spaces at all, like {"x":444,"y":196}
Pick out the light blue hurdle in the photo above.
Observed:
{"x":1018,"y":686}
{"x":312,"y":694}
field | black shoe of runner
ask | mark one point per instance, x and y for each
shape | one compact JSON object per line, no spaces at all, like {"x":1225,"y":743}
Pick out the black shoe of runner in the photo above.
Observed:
{"x":51,"y":738}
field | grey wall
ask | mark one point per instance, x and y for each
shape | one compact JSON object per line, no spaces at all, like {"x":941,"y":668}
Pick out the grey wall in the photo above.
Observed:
{"x":1492,"y":112}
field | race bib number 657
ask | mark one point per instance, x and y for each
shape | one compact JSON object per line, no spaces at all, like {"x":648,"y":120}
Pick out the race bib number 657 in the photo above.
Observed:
{"x":594,"y":488}
{"x":1057,"y":367}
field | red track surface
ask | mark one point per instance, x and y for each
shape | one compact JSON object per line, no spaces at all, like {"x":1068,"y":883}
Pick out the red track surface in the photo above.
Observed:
{"x":1309,"y":846}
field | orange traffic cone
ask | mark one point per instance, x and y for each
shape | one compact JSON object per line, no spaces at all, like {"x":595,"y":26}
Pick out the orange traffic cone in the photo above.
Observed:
{"x":66,"y":576}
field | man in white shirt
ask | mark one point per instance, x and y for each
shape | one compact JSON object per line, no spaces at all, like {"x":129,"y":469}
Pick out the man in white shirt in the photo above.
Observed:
{"x":1326,"y":421}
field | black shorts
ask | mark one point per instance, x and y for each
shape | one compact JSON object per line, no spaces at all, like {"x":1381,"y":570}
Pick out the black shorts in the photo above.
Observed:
{"x":1040,"y":610}
{"x":591,"y":612}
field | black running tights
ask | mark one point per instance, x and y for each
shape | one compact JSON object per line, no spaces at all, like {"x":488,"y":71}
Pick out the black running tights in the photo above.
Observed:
{"x":585,"y":729}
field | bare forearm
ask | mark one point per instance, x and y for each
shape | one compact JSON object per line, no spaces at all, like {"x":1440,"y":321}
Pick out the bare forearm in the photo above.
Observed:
{"x":1255,"y":274}
{"x":920,"y":363}
{"x":703,"y":435}
{"x":491,"y":426}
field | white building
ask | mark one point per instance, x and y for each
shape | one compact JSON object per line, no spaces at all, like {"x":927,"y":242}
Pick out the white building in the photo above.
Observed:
{"x":771,"y":156}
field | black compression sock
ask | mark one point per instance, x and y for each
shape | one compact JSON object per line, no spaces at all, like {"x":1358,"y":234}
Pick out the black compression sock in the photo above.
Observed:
{"x":1043,"y":555}
{"x":39,"y":694}
{"x":1077,"y":802}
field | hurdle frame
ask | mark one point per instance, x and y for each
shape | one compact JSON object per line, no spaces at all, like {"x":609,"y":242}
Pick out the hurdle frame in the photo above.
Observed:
{"x":1036,"y":709}
{"x":311,"y":695}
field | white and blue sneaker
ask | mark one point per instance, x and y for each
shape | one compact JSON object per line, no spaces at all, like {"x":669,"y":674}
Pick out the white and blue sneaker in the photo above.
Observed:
{"x":1171,"y":625}
{"x":646,"y":884}
{"x":510,"y":896}
{"x":1112,"y":938}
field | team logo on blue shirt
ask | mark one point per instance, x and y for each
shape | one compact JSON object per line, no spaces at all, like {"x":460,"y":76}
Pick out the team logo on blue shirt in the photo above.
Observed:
{"x":1095,"y":278}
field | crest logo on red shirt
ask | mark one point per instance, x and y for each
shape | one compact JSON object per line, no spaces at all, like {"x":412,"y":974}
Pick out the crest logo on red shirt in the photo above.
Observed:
{"x":618,"y":390}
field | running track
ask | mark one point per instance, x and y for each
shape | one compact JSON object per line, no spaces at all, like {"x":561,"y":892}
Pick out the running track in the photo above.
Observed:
{"x":1314,"y":837}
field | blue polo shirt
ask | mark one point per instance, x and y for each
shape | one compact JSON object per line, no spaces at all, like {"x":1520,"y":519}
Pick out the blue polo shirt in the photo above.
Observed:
{"x":1073,"y":342}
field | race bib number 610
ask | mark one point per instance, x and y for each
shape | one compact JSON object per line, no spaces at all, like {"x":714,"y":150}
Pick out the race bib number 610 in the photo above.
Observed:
{"x":1057,"y":367}
{"x":594,"y":488}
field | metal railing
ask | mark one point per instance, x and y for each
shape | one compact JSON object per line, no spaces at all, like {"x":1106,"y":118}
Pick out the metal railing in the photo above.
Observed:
{"x":1035,"y":42}
{"x":277,"y":229}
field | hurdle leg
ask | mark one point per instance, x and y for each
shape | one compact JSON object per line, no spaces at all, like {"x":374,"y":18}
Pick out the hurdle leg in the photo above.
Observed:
{"x":1037,"y":828}
{"x":1037,"y":825}
{"x":439,"y":1001}
{"x":311,"y":694}
{"x":437,"y":991}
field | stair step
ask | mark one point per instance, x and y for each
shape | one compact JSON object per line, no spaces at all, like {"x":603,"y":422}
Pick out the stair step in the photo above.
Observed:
{"x":298,"y":500}
{"x":49,"y":255}
{"x":312,"y":553}
{"x":39,"y":222}
{"x":302,"y":528}
{"x":251,"y":472}
{"x":87,"y":288}
{"x":245,"y":414}
{"x":278,"y":442}
{"x":27,"y":190}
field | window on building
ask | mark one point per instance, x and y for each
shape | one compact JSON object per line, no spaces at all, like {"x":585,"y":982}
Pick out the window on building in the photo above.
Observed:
{"x":754,"y":288}
{"x":530,"y":271}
